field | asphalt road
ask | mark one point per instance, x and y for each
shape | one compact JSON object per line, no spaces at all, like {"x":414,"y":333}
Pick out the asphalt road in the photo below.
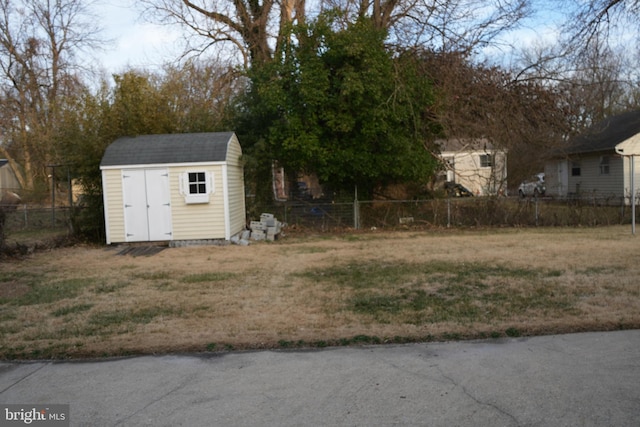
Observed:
{"x":589,"y":379}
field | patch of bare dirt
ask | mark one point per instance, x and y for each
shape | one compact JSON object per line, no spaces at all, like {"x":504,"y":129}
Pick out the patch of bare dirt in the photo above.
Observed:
{"x":12,"y":289}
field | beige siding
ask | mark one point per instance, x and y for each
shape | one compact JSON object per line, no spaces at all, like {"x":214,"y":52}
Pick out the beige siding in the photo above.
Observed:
{"x":8,"y":180}
{"x":113,"y":205}
{"x":469,"y":172}
{"x":235,"y":182}
{"x":202,"y":220}
{"x":189,"y":221}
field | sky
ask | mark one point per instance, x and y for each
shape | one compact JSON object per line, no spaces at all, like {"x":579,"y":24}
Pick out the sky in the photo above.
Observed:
{"x":140,"y":44}
{"x":136,"y":43}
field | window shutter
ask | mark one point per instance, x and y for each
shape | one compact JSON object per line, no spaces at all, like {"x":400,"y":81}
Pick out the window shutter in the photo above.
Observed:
{"x":211,"y":182}
{"x":184,"y":183}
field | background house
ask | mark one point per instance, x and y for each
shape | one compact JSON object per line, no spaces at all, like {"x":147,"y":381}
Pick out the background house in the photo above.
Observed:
{"x":8,"y":180}
{"x":590,"y":166}
{"x":475,"y":164}
{"x":173,"y":187}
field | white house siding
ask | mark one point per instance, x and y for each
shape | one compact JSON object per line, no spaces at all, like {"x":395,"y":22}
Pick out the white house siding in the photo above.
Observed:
{"x":556,"y":178}
{"x":552,"y":178}
{"x":113,"y":205}
{"x":627,"y":176}
{"x":235,"y":175}
{"x":591,"y":182}
{"x":200,"y":220}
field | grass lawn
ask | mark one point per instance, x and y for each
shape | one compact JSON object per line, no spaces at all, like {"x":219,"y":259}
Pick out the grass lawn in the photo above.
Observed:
{"x":315,"y":291}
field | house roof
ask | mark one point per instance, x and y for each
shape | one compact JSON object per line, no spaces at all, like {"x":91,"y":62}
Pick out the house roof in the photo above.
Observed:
{"x":605,"y":135}
{"x":168,"y":149}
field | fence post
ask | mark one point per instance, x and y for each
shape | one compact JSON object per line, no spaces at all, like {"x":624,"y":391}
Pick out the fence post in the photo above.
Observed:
{"x":284,"y":214}
{"x":536,"y":203}
{"x":448,"y":212}
{"x":356,"y":210}
{"x":633,"y":195}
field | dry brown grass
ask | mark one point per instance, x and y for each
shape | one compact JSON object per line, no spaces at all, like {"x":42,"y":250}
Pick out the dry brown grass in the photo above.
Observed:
{"x":320,"y":290}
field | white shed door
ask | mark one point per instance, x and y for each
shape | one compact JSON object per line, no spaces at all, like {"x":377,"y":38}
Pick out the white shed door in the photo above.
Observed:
{"x":158,"y":204}
{"x":147,"y":206}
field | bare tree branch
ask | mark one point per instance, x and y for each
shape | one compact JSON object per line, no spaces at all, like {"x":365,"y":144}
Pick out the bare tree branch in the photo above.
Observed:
{"x":39,"y":41}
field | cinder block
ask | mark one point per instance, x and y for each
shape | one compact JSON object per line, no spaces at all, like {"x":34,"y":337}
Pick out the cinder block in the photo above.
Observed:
{"x":266,"y":217}
{"x":258,"y":235}
{"x":257,"y":225}
{"x":406,"y":220}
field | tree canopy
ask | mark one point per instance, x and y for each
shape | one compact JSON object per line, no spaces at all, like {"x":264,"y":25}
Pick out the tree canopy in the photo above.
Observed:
{"x":339,"y":104}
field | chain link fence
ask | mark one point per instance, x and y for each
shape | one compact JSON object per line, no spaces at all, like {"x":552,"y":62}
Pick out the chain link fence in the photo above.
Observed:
{"x":454,"y":212}
{"x":391,"y":214}
{"x":33,"y":218}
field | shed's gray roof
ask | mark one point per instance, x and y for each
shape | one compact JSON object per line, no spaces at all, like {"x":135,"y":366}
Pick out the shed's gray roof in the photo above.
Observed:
{"x":168,"y":149}
{"x":605,"y":135}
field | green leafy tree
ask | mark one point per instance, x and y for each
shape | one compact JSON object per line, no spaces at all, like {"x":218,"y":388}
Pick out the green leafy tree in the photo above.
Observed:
{"x":339,"y":104}
{"x":139,"y":107}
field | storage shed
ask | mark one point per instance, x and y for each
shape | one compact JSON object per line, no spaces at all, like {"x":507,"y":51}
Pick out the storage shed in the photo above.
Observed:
{"x":173,"y":187}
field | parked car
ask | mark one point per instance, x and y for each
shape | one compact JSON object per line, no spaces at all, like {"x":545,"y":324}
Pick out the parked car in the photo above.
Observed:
{"x":533,"y":186}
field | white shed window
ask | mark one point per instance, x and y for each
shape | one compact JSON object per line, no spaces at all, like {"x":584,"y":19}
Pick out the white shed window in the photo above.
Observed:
{"x":197,"y":182}
{"x":196,"y":186}
{"x":604,"y":165}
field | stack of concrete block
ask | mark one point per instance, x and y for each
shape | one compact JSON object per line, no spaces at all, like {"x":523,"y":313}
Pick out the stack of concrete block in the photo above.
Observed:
{"x":241,"y":238}
{"x":268,"y":228}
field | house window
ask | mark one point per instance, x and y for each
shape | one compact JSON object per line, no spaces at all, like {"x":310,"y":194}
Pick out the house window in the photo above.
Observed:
{"x":196,"y":186}
{"x":575,"y":169}
{"x":486,"y":160}
{"x":604,"y":165}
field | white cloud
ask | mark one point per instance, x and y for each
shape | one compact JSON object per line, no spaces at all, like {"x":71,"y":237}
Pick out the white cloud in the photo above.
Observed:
{"x":135,"y":43}
{"x":540,"y":30}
